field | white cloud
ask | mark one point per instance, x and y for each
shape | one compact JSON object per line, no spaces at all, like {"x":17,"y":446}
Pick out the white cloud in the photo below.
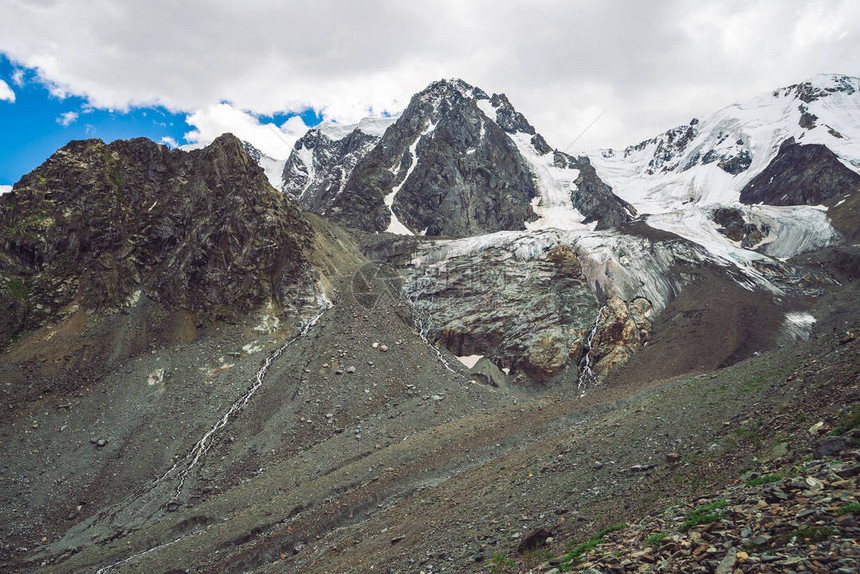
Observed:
{"x":5,"y":189}
{"x":274,"y":141}
{"x":169,"y":142}
{"x":18,"y":77}
{"x":67,"y":118}
{"x":6,"y":93}
{"x":655,"y":63}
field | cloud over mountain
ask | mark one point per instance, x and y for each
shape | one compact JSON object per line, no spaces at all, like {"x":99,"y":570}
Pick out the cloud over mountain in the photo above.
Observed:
{"x":563,"y":63}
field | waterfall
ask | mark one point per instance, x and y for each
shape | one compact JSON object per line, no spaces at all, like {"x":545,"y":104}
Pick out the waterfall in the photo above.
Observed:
{"x":586,"y":375}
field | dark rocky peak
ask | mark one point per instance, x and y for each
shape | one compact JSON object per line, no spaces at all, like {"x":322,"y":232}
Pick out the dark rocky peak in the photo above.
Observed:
{"x":820,"y":86}
{"x":668,"y":148}
{"x":252,"y":152}
{"x":319,"y":166}
{"x":802,"y":175}
{"x":508,"y":118}
{"x":201,"y":231}
{"x":442,"y":93}
{"x":453,"y":171}
{"x":459,"y":163}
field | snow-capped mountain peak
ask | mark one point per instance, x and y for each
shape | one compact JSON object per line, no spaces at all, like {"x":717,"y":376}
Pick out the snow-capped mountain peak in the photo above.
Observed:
{"x":709,"y":160}
{"x":683,"y":176}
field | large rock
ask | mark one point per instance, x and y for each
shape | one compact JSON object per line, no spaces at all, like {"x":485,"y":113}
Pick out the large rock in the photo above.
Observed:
{"x":801,"y":175}
{"x":623,"y":328}
{"x":201,"y":231}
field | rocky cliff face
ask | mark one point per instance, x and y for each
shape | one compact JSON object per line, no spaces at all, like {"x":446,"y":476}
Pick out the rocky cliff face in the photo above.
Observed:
{"x":459,"y":163}
{"x":527,"y":314}
{"x":442,"y":169}
{"x":802,"y":175}
{"x":320,"y":165}
{"x":98,"y":224}
{"x":547,"y":306}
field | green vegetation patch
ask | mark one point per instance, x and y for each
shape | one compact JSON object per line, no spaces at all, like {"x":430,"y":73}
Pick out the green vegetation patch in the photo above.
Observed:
{"x":848,"y":421}
{"x":704,"y":515}
{"x":569,"y":560}
{"x":766,"y":479}
{"x":655,"y":539}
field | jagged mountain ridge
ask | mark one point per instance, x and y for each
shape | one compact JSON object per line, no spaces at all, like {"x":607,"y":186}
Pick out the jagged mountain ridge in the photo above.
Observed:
{"x":682,"y":179}
{"x":322,"y":160}
{"x":456,"y":162}
{"x":200,"y":231}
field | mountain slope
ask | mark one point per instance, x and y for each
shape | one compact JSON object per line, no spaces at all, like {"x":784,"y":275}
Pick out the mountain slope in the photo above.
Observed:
{"x":323,"y":159}
{"x":458,"y":162}
{"x":202,"y":376}
{"x":99,"y":224}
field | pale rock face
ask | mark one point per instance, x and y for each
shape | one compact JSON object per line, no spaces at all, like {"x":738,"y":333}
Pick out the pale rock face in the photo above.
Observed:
{"x":625,"y":329}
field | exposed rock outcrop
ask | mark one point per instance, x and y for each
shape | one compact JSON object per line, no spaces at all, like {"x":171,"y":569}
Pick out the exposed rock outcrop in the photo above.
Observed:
{"x":624,"y":327}
{"x":735,"y":227}
{"x":594,"y":199}
{"x":319,"y":166}
{"x":801,"y":175}
{"x":455,"y":172}
{"x":201,"y":231}
{"x":525,"y":314}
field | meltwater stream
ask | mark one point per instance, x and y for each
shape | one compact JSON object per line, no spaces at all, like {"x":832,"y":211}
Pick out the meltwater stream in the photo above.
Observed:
{"x":182,"y":467}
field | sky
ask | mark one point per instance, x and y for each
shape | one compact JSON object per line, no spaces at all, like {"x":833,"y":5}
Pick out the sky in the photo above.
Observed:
{"x":185,"y":72}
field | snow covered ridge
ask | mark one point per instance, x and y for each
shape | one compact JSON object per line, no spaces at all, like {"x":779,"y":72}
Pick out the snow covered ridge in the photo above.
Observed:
{"x":710,"y":159}
{"x":678,"y":178}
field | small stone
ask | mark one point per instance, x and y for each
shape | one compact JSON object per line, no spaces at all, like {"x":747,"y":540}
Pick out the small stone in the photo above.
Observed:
{"x":816,"y":429}
{"x":350,"y":370}
{"x":829,"y":446}
{"x":673,"y":458}
{"x":101,"y":442}
{"x":437,"y":398}
{"x":848,"y":471}
{"x":597,"y":465}
{"x":534,"y":539}
{"x":814,"y":484}
{"x":727,"y":565}
{"x":375,"y":345}
{"x":383,"y":348}
{"x":780,"y":450}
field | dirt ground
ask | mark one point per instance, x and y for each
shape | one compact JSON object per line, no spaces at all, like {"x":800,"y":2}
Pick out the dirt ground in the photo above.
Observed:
{"x":352,"y":458}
